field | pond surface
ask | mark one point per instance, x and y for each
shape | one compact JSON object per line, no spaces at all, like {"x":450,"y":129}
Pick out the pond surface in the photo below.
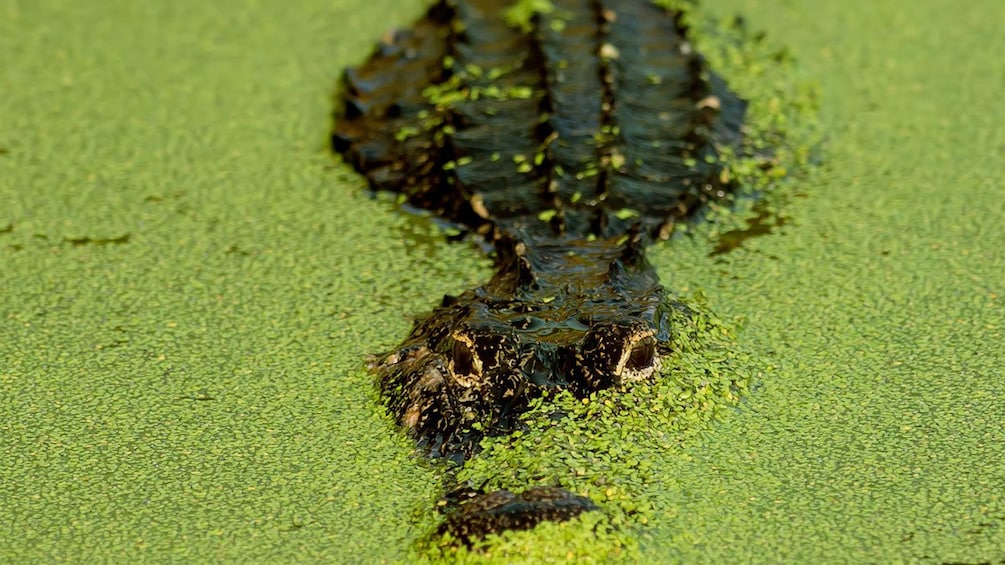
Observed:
{"x":189,"y":287}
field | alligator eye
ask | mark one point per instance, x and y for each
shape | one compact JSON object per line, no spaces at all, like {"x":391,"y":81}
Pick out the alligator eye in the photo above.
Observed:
{"x":465,"y":366}
{"x":643,"y":354}
{"x":464,"y":359}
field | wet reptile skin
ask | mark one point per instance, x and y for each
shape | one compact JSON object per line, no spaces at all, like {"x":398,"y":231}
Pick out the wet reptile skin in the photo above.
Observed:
{"x":567,"y":148}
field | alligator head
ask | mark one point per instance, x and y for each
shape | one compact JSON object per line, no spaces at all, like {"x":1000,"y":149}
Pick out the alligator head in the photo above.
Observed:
{"x":569,"y":314}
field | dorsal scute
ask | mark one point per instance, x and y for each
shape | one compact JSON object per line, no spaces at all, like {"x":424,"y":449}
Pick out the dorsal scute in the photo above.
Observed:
{"x":600,"y":117}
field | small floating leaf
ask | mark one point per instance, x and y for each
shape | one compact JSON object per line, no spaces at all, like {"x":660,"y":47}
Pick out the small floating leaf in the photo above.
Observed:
{"x":547,"y":215}
{"x":521,"y":13}
{"x":521,"y":92}
{"x":406,"y":132}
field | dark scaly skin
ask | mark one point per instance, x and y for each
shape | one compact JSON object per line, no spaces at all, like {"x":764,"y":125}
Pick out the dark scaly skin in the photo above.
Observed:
{"x":568,"y":148}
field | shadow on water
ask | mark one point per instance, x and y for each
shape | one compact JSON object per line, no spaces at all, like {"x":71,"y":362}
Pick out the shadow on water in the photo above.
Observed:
{"x":423,"y":233}
{"x":764,"y":223}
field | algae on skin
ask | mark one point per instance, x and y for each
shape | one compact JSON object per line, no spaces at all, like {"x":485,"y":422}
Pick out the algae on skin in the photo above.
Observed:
{"x":521,"y":14}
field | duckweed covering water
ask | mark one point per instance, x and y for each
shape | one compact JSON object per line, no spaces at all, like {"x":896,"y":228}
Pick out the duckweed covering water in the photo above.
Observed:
{"x":189,"y":287}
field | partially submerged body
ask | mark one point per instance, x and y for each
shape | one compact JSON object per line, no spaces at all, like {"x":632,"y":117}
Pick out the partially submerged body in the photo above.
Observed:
{"x":568,"y":147}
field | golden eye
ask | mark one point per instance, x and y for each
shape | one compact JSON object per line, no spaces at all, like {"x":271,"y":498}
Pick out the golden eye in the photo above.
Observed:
{"x":465,"y":366}
{"x":642,"y":355}
{"x":463,"y":359}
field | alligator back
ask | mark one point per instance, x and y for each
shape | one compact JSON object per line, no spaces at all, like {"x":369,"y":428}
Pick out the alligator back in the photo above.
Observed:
{"x":599,"y":117}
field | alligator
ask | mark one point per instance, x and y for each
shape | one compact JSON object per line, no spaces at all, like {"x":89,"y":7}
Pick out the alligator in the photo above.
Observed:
{"x":566,"y":143}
